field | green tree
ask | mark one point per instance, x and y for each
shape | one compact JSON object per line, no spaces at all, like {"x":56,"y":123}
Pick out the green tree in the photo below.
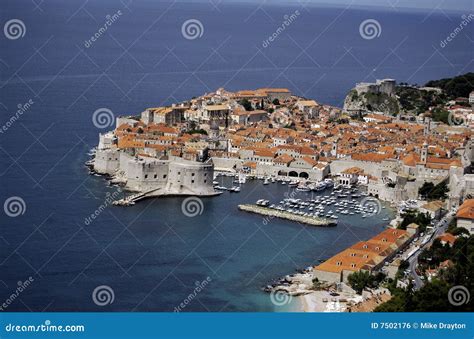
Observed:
{"x":434,"y":296}
{"x":247,"y":105}
{"x":425,"y":189}
{"x":422,"y":220}
{"x":439,"y":191}
{"x":362,"y":279}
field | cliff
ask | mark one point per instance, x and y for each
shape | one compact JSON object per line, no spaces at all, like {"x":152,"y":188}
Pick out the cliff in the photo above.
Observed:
{"x":375,"y":102}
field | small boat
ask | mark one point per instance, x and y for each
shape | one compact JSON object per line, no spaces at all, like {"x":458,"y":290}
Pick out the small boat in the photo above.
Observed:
{"x":266,"y":181}
{"x":328,"y":182}
{"x":319,"y":186}
{"x":293,"y":183}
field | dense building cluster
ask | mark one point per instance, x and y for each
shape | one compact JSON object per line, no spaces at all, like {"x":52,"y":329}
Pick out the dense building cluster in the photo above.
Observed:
{"x":270,"y":132}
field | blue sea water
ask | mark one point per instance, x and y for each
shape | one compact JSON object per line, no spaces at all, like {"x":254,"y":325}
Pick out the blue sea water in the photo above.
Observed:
{"x":150,"y":254}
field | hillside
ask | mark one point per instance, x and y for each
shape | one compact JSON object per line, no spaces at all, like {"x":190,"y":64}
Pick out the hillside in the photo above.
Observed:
{"x":412,"y":99}
{"x":459,"y":86}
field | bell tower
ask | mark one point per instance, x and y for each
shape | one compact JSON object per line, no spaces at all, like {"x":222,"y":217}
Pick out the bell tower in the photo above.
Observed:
{"x":334,"y":148}
{"x":424,"y":153}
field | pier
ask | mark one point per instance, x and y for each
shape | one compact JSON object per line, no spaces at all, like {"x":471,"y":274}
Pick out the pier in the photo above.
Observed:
{"x":309,"y":220}
{"x":132,"y":199}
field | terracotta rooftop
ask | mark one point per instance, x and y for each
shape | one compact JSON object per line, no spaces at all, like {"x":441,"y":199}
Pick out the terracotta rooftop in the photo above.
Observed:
{"x":466,"y":210}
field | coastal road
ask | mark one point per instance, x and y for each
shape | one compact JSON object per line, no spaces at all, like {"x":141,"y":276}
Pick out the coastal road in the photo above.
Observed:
{"x":439,"y":229}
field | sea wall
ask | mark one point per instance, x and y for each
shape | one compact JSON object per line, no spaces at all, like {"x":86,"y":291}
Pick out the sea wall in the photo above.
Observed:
{"x":107,"y":161}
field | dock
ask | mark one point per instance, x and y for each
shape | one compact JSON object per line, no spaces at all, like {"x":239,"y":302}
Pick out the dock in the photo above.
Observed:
{"x":323,"y":222}
{"x":132,"y":199}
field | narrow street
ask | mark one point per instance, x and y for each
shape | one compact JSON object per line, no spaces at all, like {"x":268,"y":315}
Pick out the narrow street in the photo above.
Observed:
{"x":440,"y":228}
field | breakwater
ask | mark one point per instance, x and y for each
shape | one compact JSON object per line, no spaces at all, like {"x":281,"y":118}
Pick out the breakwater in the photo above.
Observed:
{"x":309,"y":220}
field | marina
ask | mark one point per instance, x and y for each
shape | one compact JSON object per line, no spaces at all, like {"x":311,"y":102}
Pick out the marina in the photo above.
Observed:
{"x":320,"y":200}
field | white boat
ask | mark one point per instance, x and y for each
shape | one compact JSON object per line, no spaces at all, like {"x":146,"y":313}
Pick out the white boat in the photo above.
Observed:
{"x":319,"y":186}
{"x":266,"y":181}
{"x":242,"y":178}
{"x":293,"y":183}
{"x":328,"y":182}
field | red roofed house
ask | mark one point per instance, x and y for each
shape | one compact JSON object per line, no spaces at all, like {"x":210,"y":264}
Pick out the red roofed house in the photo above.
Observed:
{"x":465,"y":215}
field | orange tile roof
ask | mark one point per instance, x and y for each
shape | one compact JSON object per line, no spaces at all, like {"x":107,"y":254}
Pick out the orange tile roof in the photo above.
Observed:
{"x":283,"y":159}
{"x":447,"y":238}
{"x":262,"y":152}
{"x":466,"y":210}
{"x":372,"y":157}
{"x":366,"y":255}
{"x":353,"y":170}
{"x":250,"y":164}
{"x":274,"y":90}
{"x":310,"y":161}
{"x":411,"y":159}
